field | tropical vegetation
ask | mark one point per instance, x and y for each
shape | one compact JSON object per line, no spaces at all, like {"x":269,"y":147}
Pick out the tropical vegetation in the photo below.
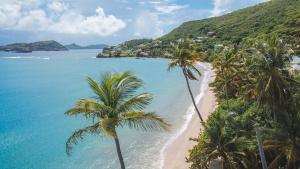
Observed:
{"x":281,"y":17}
{"x":255,"y":86}
{"x":276,"y":16}
{"x":114,"y":104}
{"x":257,"y":122}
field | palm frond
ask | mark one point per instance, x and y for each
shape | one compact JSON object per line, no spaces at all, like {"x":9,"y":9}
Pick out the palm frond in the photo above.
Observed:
{"x":172,"y":64}
{"x":196,"y":70}
{"x":126,"y":85}
{"x":138,"y":102}
{"x":274,"y":163}
{"x":144,"y":121}
{"x":98,"y":90}
{"x":89,"y":109}
{"x":79,"y":135}
{"x":87,"y":113}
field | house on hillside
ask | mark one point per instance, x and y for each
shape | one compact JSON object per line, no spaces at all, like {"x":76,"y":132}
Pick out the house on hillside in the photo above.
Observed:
{"x":211,"y":33}
{"x":218,"y":46}
{"x":199,"y":39}
{"x":141,"y":46}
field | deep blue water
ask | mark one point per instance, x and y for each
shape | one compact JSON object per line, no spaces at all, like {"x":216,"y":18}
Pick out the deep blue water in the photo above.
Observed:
{"x":37,"y":88}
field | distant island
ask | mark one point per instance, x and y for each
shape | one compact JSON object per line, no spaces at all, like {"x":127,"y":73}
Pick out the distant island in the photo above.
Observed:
{"x":96,"y":46}
{"x":50,"y":45}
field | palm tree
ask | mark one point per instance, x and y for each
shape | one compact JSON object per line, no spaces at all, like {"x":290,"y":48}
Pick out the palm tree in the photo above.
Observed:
{"x":283,"y":144}
{"x":270,"y":62}
{"x":114,"y":105}
{"x":185,"y":57}
{"x":219,"y":142}
{"x":229,"y":72}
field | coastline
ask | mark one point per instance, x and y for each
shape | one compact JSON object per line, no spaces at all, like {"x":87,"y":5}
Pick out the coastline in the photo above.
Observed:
{"x":175,"y":152}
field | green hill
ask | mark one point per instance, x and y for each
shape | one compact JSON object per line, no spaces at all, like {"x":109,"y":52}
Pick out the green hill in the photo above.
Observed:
{"x":275,"y":16}
{"x":50,"y":45}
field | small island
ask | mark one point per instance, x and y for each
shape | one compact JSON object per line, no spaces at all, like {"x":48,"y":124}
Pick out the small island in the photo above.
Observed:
{"x":95,"y":46}
{"x":50,"y":45}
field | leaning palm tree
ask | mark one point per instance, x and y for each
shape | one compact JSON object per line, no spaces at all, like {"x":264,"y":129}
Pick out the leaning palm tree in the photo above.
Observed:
{"x":114,"y":105}
{"x":185,"y":57}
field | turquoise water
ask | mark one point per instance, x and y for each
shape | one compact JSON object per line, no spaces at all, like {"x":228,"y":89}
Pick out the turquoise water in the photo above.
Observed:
{"x":35,"y":90}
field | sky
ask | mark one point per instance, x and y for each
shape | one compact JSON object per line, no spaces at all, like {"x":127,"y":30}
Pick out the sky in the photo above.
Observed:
{"x":103,"y":21}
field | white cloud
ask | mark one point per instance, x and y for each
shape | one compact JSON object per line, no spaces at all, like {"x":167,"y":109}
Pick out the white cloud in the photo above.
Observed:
{"x":155,"y":2}
{"x":9,"y":13}
{"x":34,"y":19}
{"x":169,"y":8}
{"x":18,"y":15}
{"x":123,"y":1}
{"x":225,"y":6}
{"x":148,"y":25}
{"x":57,"y":6}
{"x":220,"y":7}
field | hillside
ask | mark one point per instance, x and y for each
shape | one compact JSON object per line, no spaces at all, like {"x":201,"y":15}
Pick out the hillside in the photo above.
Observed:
{"x":276,"y":16}
{"x":96,"y":46}
{"x":36,"y":46}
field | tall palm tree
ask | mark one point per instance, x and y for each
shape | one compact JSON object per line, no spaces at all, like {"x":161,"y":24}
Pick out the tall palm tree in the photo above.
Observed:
{"x":270,"y":62}
{"x":114,"y":105}
{"x":185,"y":57}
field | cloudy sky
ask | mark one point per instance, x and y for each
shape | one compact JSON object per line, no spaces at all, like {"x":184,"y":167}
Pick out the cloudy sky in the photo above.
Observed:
{"x":102,"y":21}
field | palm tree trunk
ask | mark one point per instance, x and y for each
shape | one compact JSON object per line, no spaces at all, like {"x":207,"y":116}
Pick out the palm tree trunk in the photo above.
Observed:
{"x":260,"y":148}
{"x":193,"y":100}
{"x":119,"y":152}
{"x":226,"y":92}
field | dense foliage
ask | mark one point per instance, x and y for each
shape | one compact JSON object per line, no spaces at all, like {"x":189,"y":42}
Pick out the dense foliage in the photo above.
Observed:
{"x":255,"y":86}
{"x":277,"y":16}
{"x":281,"y":17}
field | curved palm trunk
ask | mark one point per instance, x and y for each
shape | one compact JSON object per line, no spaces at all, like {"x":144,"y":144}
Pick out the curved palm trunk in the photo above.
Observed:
{"x":193,"y":100}
{"x":119,"y":152}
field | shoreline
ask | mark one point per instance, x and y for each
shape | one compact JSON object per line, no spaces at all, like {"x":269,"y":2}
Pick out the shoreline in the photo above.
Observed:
{"x":174,"y":153}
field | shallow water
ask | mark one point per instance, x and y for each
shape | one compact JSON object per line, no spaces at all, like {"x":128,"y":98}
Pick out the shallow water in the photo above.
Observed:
{"x":36,"y":88}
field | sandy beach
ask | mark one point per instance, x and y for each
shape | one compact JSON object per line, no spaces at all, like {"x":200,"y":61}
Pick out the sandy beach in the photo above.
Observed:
{"x":177,"y":151}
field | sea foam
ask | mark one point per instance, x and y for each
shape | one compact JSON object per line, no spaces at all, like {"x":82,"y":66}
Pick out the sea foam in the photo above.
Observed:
{"x":26,"y":57}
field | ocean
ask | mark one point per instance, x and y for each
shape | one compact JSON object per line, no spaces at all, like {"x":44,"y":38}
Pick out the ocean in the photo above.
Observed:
{"x":37,"y":88}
